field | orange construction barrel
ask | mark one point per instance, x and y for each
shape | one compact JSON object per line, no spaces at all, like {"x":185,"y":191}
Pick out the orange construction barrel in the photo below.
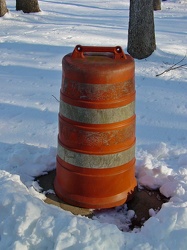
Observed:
{"x":95,"y":165}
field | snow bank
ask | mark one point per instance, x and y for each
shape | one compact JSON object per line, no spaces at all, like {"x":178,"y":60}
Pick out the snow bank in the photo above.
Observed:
{"x":29,"y":223}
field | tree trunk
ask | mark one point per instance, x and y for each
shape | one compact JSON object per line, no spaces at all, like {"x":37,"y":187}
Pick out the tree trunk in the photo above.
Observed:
{"x":27,"y":6}
{"x":3,"y":8}
{"x":156,"y":4}
{"x":141,"y":32}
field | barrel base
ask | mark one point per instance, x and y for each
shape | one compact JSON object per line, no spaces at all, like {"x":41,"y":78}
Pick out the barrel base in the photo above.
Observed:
{"x":92,"y":203}
{"x":94,"y":188}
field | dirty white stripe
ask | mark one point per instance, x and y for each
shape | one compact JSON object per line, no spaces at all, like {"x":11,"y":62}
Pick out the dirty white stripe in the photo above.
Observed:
{"x":97,"y":116}
{"x":96,"y":161}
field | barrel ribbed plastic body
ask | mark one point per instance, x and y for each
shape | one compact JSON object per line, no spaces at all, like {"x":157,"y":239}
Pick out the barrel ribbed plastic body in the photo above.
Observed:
{"x":96,"y":142}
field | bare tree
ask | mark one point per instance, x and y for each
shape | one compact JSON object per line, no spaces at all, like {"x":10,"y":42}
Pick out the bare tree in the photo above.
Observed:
{"x":27,"y":6}
{"x":156,"y":4}
{"x":3,"y":8}
{"x":141,"y":32}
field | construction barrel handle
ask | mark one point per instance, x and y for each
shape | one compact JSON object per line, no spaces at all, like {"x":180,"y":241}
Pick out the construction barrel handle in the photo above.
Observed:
{"x":80,"y":50}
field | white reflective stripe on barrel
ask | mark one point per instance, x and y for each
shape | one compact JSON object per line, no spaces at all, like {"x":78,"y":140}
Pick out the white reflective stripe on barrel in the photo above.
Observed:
{"x":97,"y":116}
{"x":96,"y":161}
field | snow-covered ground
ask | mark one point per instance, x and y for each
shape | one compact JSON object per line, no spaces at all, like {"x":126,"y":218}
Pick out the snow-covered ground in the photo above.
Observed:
{"x":31,"y":50}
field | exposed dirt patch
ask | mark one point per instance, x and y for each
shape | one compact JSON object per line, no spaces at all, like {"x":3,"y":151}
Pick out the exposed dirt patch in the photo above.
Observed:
{"x":142,"y":202}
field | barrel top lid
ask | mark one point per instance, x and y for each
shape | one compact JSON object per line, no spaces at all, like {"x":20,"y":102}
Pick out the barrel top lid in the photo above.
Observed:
{"x":94,"y":64}
{"x":94,"y":51}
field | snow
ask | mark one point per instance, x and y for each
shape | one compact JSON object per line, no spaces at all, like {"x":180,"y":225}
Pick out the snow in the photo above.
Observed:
{"x":32,"y":47}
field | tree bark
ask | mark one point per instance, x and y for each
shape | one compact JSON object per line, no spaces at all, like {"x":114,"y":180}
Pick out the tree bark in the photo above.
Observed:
{"x":141,"y":32}
{"x":27,"y":6}
{"x":3,"y":8}
{"x":156,"y":4}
